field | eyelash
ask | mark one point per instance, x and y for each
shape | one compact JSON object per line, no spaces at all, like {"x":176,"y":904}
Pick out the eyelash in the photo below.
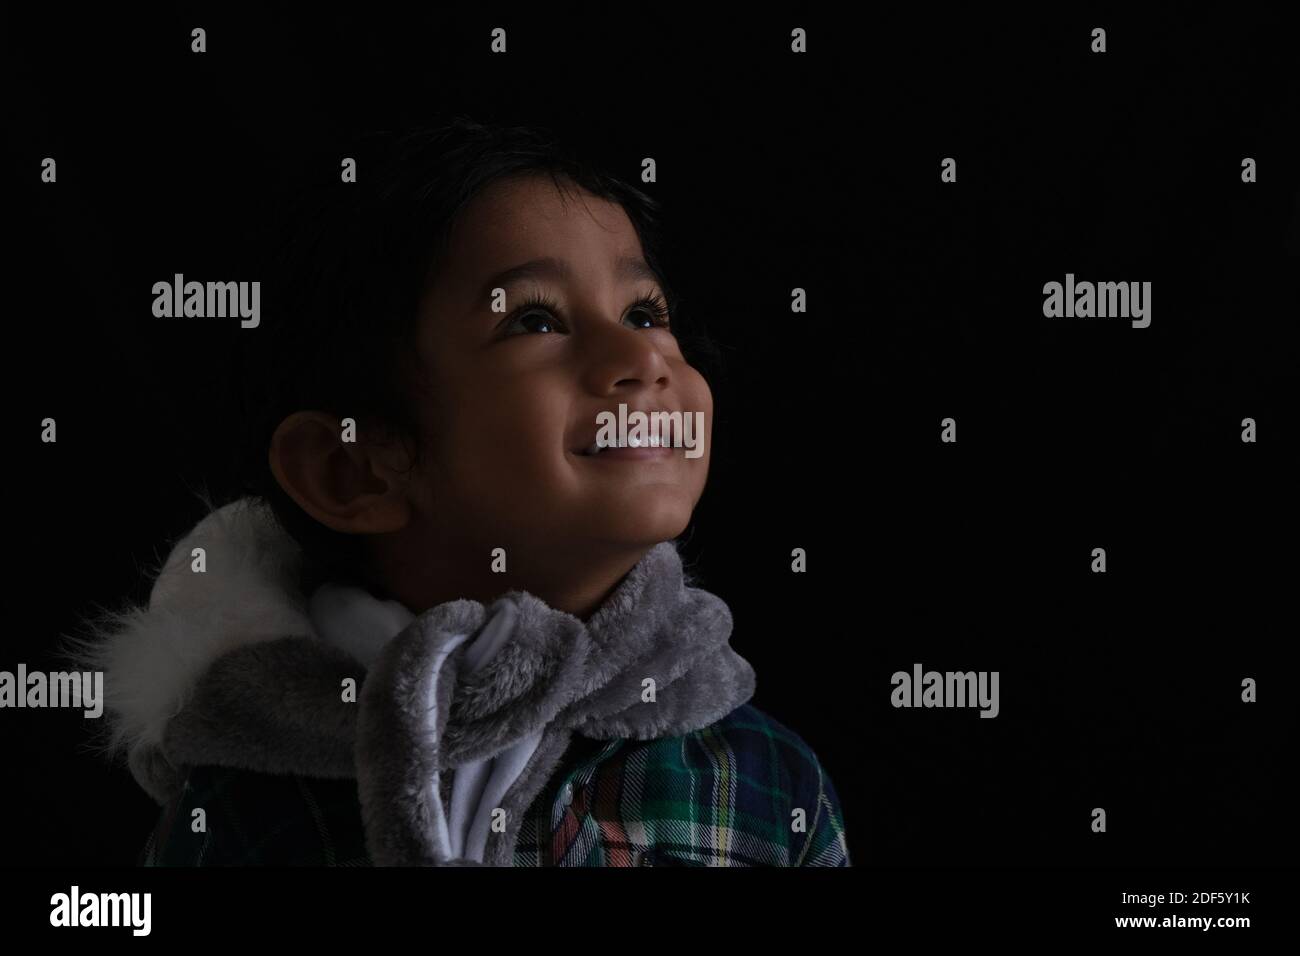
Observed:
{"x":652,"y":304}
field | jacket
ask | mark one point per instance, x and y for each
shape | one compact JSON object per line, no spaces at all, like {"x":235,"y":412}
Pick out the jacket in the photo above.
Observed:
{"x":538,"y":750}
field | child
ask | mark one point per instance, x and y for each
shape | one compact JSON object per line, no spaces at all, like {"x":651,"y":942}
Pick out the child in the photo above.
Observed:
{"x":436,"y":629}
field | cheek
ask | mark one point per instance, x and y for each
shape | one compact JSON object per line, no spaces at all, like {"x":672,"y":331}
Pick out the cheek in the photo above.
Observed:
{"x":696,"y":396}
{"x":510,"y":428}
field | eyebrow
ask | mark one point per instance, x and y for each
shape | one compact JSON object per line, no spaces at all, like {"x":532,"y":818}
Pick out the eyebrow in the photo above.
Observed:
{"x":548,"y":267}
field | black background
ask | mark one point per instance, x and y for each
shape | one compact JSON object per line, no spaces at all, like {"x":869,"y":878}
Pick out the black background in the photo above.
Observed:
{"x":819,"y":171}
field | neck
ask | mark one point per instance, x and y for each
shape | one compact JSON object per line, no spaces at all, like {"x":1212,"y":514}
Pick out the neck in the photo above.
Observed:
{"x":435,"y":573}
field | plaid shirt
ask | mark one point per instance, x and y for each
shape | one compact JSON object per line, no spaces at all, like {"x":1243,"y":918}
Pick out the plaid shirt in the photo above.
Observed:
{"x":721,"y":796}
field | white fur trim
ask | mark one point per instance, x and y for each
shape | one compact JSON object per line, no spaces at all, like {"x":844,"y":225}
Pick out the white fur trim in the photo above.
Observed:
{"x":151,"y":657}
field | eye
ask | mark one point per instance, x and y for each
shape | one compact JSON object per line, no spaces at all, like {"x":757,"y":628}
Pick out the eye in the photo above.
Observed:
{"x":546,"y":321}
{"x":652,"y":306}
{"x":534,"y":310}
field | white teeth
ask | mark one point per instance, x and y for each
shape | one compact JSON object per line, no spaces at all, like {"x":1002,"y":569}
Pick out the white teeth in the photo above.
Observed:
{"x":653,"y":441}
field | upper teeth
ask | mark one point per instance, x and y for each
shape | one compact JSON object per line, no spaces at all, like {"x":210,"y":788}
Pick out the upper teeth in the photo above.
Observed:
{"x":652,"y":442}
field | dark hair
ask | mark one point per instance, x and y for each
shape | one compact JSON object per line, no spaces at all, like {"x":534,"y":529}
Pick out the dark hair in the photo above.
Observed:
{"x":343,"y":275}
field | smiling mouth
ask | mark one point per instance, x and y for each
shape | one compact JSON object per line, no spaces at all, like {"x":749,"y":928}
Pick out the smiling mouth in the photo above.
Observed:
{"x":650,"y":445}
{"x":648,"y":451}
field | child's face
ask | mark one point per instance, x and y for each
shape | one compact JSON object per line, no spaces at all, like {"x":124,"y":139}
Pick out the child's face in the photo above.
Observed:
{"x":512,"y":398}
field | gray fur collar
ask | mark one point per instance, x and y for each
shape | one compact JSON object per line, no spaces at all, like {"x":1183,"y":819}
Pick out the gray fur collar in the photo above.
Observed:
{"x":224,"y":668}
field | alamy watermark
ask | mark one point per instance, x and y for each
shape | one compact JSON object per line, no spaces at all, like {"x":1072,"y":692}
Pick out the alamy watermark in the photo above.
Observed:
{"x":946,"y":689}
{"x":78,"y":689}
{"x":103,"y":909}
{"x":1101,"y":300}
{"x":653,"y":429}
{"x":181,"y":299}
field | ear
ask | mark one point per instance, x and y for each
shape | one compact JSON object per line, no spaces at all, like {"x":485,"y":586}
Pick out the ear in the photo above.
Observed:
{"x":356,"y":486}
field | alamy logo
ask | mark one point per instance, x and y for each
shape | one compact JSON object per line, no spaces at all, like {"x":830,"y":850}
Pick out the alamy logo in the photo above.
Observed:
{"x":654,"y":429}
{"x":102,"y":909}
{"x":1101,"y":300}
{"x":949,"y":689}
{"x":37,"y":689}
{"x":179,"y":299}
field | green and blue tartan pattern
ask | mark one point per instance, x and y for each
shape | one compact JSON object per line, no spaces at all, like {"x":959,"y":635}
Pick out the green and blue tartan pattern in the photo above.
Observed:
{"x":724,"y":795}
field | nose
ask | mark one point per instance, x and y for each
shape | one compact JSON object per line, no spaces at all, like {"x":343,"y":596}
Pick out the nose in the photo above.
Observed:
{"x":619,"y":358}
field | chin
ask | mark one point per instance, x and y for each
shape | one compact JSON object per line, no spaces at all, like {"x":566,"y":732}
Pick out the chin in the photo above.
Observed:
{"x":641,"y":534}
{"x":638,"y":520}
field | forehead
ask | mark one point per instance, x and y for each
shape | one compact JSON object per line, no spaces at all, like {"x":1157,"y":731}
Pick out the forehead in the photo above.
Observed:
{"x":517,"y":219}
